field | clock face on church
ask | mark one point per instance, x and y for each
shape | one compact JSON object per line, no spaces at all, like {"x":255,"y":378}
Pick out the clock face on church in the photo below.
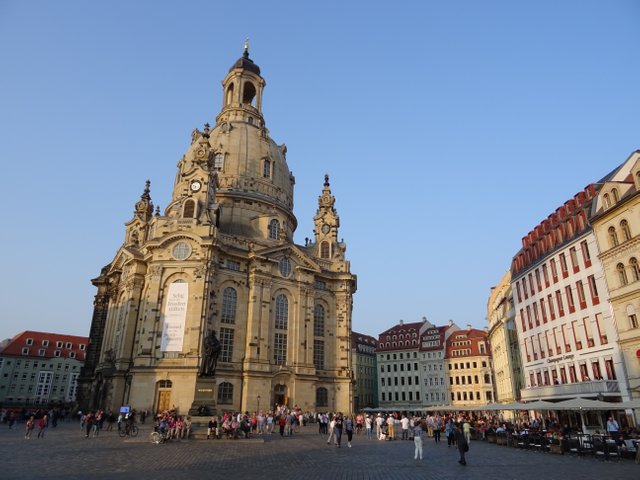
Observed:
{"x":195,"y":186}
{"x":325,"y":228}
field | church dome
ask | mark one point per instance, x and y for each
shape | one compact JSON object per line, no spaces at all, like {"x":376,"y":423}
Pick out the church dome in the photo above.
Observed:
{"x":246,"y":63}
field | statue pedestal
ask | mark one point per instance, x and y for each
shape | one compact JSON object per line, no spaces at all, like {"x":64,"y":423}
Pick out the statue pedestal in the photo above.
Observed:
{"x":204,"y":399}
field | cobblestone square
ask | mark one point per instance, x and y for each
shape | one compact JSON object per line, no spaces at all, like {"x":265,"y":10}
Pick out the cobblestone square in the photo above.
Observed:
{"x":65,"y":453}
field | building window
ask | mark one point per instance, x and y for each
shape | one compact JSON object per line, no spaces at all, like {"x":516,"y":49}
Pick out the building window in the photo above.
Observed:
{"x":282,"y":312}
{"x":613,"y":237}
{"x":318,"y":354}
{"x":58,"y":344}
{"x":581,"y":297}
{"x":280,"y":349}
{"x":586,"y":256}
{"x":560,"y":305}
{"x":635,"y":271}
{"x":218,"y":161}
{"x":626,"y":231}
{"x":189,"y":209}
{"x":318,"y":321}
{"x":229,"y":302}
{"x":570,"y":302}
{"x":233,"y":265}
{"x":226,"y":344}
{"x":274,"y":229}
{"x":563,"y":265}
{"x":554,"y":270}
{"x":622,"y":275}
{"x":266,"y":169}
{"x":324,"y":250}
{"x":25,"y":351}
{"x":284,"y":265}
{"x":322,"y":397}
{"x":225,"y":393}
{"x":41,"y":352}
{"x":594,"y":290}
{"x":574,"y":259}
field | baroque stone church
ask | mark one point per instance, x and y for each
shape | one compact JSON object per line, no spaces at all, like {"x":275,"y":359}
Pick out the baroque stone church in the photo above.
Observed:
{"x":221,"y":258}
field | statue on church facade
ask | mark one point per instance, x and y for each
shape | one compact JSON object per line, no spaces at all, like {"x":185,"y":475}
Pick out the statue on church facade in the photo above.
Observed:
{"x":212,"y":349}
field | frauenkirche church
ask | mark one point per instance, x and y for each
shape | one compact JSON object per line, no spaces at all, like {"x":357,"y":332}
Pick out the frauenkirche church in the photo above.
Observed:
{"x":221,"y":258}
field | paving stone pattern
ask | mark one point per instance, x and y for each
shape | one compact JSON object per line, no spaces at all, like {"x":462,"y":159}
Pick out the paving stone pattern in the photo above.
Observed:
{"x":65,"y":453}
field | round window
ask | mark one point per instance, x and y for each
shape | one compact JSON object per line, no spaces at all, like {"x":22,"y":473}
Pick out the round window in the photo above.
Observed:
{"x":285,"y":267}
{"x":181,"y":251}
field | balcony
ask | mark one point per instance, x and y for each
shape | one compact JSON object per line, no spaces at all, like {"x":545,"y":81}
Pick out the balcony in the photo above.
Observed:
{"x":551,"y":392}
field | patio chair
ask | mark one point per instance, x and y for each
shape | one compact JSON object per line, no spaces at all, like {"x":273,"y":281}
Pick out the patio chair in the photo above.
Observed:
{"x":586,"y":444}
{"x":573,"y":443}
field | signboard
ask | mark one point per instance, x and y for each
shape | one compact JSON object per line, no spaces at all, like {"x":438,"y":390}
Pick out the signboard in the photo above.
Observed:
{"x":125,"y":409}
{"x":174,"y":316}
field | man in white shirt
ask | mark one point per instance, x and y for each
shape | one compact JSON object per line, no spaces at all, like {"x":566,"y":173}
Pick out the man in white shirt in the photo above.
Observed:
{"x":404,"y":422}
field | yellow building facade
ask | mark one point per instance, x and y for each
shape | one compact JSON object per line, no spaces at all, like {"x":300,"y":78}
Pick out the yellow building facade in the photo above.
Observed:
{"x":503,"y":338}
{"x":616,"y":223}
{"x":221,"y":258}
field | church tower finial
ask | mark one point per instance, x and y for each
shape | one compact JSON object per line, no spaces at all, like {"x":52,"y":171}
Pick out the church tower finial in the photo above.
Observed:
{"x":245,"y":54}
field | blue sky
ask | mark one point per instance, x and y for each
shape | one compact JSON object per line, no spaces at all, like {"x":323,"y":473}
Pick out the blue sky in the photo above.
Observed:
{"x":450,"y":129}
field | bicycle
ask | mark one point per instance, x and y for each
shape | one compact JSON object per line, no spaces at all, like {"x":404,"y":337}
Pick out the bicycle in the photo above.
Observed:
{"x":130,"y":430}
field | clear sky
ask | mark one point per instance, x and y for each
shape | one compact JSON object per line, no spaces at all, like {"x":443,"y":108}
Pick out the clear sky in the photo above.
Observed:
{"x":449,"y":128}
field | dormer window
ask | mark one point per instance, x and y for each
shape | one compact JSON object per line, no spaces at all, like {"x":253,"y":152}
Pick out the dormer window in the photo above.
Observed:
{"x":614,"y":194}
{"x":45,"y":343}
{"x":29,"y":341}
{"x":266,"y":169}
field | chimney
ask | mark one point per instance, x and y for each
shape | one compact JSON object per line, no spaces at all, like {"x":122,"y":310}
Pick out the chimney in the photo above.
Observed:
{"x":451,"y":323}
{"x":468,"y":327}
{"x":401,"y":322}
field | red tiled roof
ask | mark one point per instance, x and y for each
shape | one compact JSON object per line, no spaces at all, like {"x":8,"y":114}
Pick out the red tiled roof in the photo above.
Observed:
{"x":30,"y":344}
{"x":407,"y":330}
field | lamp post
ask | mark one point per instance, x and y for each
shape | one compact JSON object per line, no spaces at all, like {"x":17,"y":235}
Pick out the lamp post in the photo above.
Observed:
{"x":258,"y":404}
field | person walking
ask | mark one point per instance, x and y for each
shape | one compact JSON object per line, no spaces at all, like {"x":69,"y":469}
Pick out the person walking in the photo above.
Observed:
{"x":417,"y":440}
{"x":437,"y":428}
{"x":461,"y":441}
{"x":348,"y":426}
{"x":42,"y":425}
{"x":337,"y":428}
{"x":30,"y":426}
{"x":332,"y":423}
{"x":466,"y":429}
{"x":369,"y":424}
{"x":449,"y":431}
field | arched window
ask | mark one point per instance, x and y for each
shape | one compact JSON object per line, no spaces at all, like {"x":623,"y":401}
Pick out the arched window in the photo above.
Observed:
{"x":614,"y":194}
{"x":282,"y":312}
{"x":229,"y":302}
{"x":318,"y":321}
{"x":266,"y":169}
{"x":613,"y":237}
{"x":249,"y":93}
{"x":635,"y":271}
{"x":189,"y":209}
{"x":626,"y":231}
{"x":622,"y":274}
{"x":230,"y":94}
{"x":274,"y":229}
{"x":225,"y":393}
{"x":322,"y":397}
{"x":606,"y":200}
{"x":324,"y":250}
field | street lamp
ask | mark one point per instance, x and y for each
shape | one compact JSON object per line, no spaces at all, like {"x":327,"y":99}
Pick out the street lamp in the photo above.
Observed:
{"x":258,"y":403}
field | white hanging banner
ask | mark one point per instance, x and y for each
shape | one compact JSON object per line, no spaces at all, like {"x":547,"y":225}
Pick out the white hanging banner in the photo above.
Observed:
{"x":174,"y":317}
